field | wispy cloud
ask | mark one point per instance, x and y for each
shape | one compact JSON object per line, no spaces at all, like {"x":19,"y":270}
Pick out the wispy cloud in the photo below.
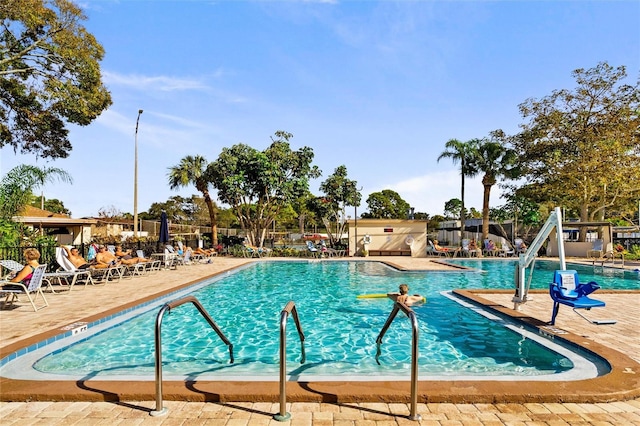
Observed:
{"x":158,"y":83}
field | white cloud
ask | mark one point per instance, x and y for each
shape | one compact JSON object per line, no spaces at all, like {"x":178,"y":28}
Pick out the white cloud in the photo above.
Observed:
{"x":158,"y":83}
{"x":429,"y":192}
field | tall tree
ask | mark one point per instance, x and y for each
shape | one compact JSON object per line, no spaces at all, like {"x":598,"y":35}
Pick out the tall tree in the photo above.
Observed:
{"x":259,"y":184}
{"x":452,"y":209}
{"x":387,"y":204}
{"x":461,"y":152}
{"x":49,"y":75}
{"x":580,"y":148}
{"x":339,"y":192}
{"x":194,"y":170}
{"x":493,"y":159}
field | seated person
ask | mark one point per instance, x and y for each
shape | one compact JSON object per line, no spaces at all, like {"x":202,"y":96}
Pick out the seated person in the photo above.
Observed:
{"x":126,"y":257}
{"x":473,"y":247}
{"x":105,"y":259}
{"x":74,"y":257}
{"x":31,"y":255}
{"x":404,"y":297}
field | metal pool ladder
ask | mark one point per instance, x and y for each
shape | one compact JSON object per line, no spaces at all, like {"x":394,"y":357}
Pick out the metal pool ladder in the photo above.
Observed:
{"x":413,"y":415}
{"x":290,"y":308}
{"x":160,"y":411}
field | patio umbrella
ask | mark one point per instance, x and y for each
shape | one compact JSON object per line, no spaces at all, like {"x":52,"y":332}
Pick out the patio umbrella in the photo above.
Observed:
{"x":164,"y":228}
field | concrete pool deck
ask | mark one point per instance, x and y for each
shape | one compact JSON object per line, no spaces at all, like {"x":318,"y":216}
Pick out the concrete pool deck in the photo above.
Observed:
{"x":329,"y":403}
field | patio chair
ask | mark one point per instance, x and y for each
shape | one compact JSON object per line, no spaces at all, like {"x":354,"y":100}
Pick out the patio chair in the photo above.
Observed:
{"x":67,"y":276}
{"x":464,"y":250}
{"x":312,"y":250}
{"x":91,"y":275}
{"x":597,"y":250}
{"x":507,"y":250}
{"x":12,"y":268}
{"x":33,"y":288}
{"x":431,"y":249}
{"x":567,"y":290}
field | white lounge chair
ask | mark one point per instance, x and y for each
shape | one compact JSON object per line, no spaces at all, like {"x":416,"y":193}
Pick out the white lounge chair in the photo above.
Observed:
{"x":33,"y":288}
{"x":431,"y":249}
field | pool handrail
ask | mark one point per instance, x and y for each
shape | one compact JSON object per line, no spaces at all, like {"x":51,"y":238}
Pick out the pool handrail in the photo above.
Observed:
{"x":160,"y":410}
{"x":290,"y":308}
{"x":397,"y":307}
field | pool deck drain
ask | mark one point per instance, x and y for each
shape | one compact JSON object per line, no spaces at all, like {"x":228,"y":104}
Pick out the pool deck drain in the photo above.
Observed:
{"x":330,"y":403}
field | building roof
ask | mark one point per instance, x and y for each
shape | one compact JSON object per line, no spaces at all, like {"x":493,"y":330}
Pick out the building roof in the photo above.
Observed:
{"x":46,"y":219}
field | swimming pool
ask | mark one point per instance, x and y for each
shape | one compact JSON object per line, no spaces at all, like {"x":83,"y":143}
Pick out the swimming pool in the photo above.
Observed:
{"x":340,"y":330}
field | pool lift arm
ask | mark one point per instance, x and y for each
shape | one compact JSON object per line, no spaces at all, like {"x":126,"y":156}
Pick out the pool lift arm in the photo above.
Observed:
{"x":528,"y":258}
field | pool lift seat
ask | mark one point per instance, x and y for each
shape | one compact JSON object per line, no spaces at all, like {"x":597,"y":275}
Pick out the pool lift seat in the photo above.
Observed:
{"x":566,"y":289}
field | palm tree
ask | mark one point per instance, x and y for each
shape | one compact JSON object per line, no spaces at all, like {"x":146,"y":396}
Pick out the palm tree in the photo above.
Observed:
{"x":461,"y":152}
{"x":493,"y":159}
{"x":17,"y":186}
{"x":195,"y":170}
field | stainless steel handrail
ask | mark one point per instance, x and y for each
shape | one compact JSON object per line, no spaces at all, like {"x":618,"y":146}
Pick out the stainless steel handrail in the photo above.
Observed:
{"x":290,"y":308}
{"x":160,"y":411}
{"x":397,"y":307}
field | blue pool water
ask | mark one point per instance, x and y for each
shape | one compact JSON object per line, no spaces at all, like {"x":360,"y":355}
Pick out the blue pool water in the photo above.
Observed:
{"x":340,"y":329}
{"x":499,"y":274}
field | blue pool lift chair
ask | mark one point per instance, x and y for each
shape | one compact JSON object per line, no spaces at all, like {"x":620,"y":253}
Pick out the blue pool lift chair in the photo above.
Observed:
{"x":566,"y":289}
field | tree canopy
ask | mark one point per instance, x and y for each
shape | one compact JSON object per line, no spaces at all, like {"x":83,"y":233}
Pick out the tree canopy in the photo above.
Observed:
{"x":386,"y":204}
{"x":581,"y":147}
{"x":259,"y":184}
{"x":49,"y":75}
{"x":339,"y":192}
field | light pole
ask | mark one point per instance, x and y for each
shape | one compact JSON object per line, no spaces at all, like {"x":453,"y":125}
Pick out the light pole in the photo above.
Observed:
{"x":135,"y":181}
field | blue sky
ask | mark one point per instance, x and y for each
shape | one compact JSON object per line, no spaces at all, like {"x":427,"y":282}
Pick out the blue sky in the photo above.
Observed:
{"x":378,"y":86}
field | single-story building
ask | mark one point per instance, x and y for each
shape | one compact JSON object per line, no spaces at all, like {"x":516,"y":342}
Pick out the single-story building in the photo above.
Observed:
{"x":63,"y":228}
{"x":573,"y":247}
{"x":388,"y":237}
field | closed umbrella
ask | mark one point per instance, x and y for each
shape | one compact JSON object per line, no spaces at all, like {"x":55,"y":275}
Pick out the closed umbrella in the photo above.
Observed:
{"x":164,"y":228}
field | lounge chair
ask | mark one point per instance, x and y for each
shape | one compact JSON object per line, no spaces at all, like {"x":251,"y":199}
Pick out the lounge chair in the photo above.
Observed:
{"x":519,"y":246}
{"x":312,"y":250}
{"x":431,"y":249}
{"x":567,"y":290}
{"x":151,"y":265}
{"x":597,"y":250}
{"x":91,"y":275}
{"x":172,"y":259}
{"x":464,"y":250}
{"x":507,"y":251}
{"x":68,"y":275}
{"x":34,"y":288}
